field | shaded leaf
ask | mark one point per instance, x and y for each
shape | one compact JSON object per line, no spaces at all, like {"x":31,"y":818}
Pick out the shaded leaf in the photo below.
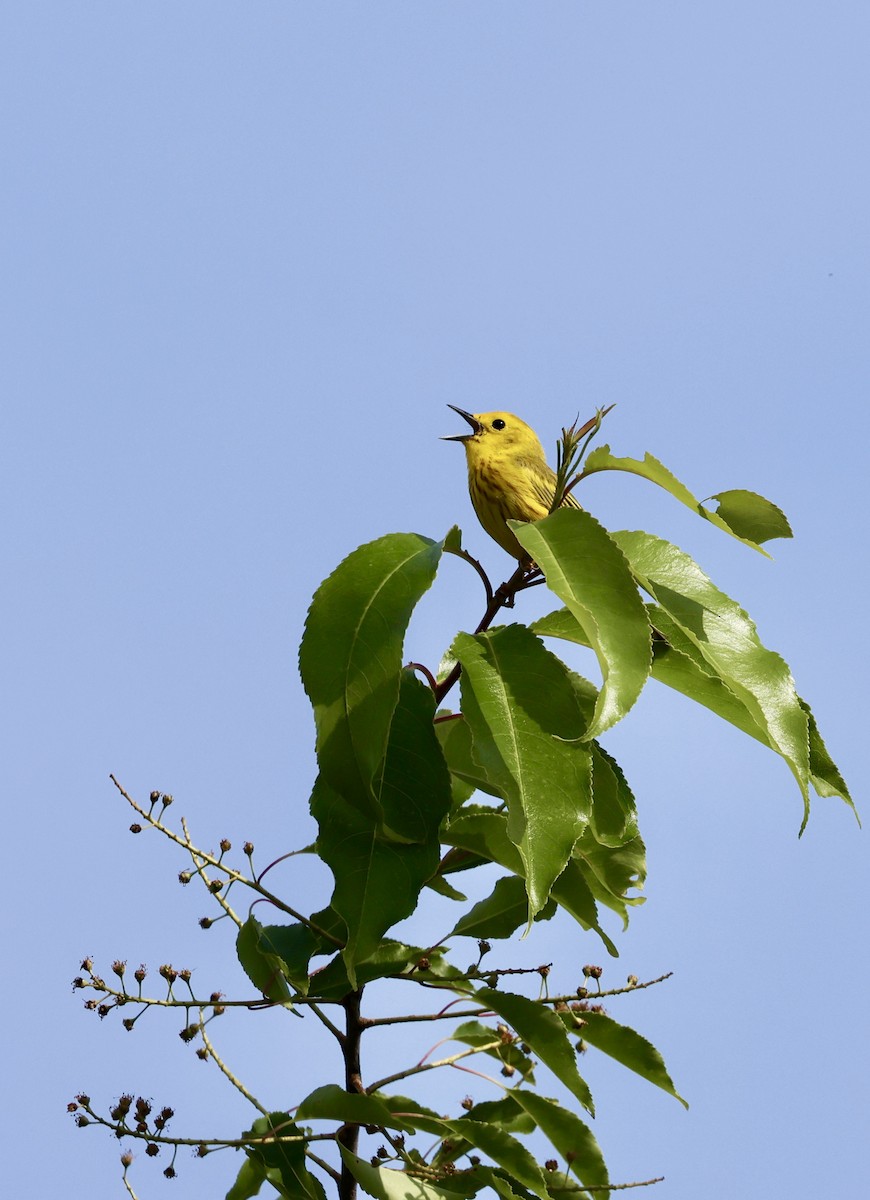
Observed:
{"x":457,"y":747}
{"x":351,"y":656}
{"x":526,"y":722}
{"x":489,"y":1041}
{"x":251,"y":1177}
{"x":333,"y":1103}
{"x":504,"y":910}
{"x":505,"y":1113}
{"x":265,"y":969}
{"x":589,"y":574}
{"x":751,"y":516}
{"x":386,"y":1184}
{"x":824,"y":772}
{"x":484,"y":833}
{"x":611,"y":872}
{"x":284,"y":1162}
{"x":390,"y":958}
{"x":377,"y":881}
{"x":414,"y":785}
{"x":614,"y":812}
{"x":573,"y":1139}
{"x":542,"y":1030}
{"x":295,"y":945}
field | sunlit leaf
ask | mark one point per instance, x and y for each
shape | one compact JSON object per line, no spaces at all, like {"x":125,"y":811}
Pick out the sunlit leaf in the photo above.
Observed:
{"x":484,"y":834}
{"x":726,"y":638}
{"x":744,"y":515}
{"x":589,"y":574}
{"x":542,"y":1030}
{"x":574,"y":1140}
{"x":627,"y":1047}
{"x":526,"y":725}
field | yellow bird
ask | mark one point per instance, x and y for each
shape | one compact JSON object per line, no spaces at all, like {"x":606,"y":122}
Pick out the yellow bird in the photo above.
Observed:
{"x":508,"y":476}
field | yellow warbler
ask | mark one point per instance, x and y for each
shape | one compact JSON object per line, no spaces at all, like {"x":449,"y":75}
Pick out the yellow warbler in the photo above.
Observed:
{"x":508,"y":476}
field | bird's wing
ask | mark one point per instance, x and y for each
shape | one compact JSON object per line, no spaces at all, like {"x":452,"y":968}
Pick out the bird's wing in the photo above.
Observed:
{"x":543,"y":484}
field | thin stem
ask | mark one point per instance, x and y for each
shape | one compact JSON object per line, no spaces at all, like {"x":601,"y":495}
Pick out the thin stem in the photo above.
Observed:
{"x":460,"y":553}
{"x":236,"y":1082}
{"x":501,"y":598}
{"x":234,"y":875}
{"x":579,"y":1190}
{"x":324,"y":1166}
{"x":442,"y":1062}
{"x":424,"y":670}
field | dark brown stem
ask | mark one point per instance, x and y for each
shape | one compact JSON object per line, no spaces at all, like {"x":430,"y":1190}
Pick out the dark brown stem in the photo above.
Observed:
{"x":348,"y":1135}
{"x":502,"y":597}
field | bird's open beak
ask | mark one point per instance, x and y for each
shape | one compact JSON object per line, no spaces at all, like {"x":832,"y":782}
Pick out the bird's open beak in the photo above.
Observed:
{"x":472,"y":421}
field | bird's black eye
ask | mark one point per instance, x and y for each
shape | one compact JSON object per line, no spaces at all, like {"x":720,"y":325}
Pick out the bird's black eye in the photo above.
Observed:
{"x":498,"y":423}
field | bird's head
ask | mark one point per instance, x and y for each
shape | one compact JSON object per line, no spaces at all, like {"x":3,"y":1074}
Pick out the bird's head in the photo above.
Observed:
{"x":496,"y":435}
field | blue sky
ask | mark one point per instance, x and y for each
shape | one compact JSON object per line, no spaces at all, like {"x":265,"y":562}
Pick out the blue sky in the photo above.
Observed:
{"x":250,"y":252}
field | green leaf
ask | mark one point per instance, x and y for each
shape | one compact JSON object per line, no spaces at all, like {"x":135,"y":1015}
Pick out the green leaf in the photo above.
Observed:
{"x":726,"y":639}
{"x":284,"y":1162}
{"x":588,"y":572}
{"x":251,"y":1177}
{"x":573,"y":893}
{"x":611,"y":872}
{"x":390,"y":958}
{"x":573,"y":1139}
{"x":504,"y":1150}
{"x":386,"y":1184}
{"x":679,"y":664}
{"x":351,"y":657}
{"x":737,"y":517}
{"x":456,"y":745}
{"x":440,"y":885}
{"x":751,"y":516}
{"x":414,"y":785}
{"x":614,"y":812}
{"x":377,"y":881}
{"x":380,"y":866}
{"x":484,"y":834}
{"x":333,"y":1103}
{"x":265,"y":969}
{"x":542,"y":1030}
{"x":526,"y":724}
{"x":824,"y":772}
{"x":505,"y":1113}
{"x":502,"y":912}
{"x":627,"y":1047}
{"x":295,"y":945}
{"x":482,"y":1037}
